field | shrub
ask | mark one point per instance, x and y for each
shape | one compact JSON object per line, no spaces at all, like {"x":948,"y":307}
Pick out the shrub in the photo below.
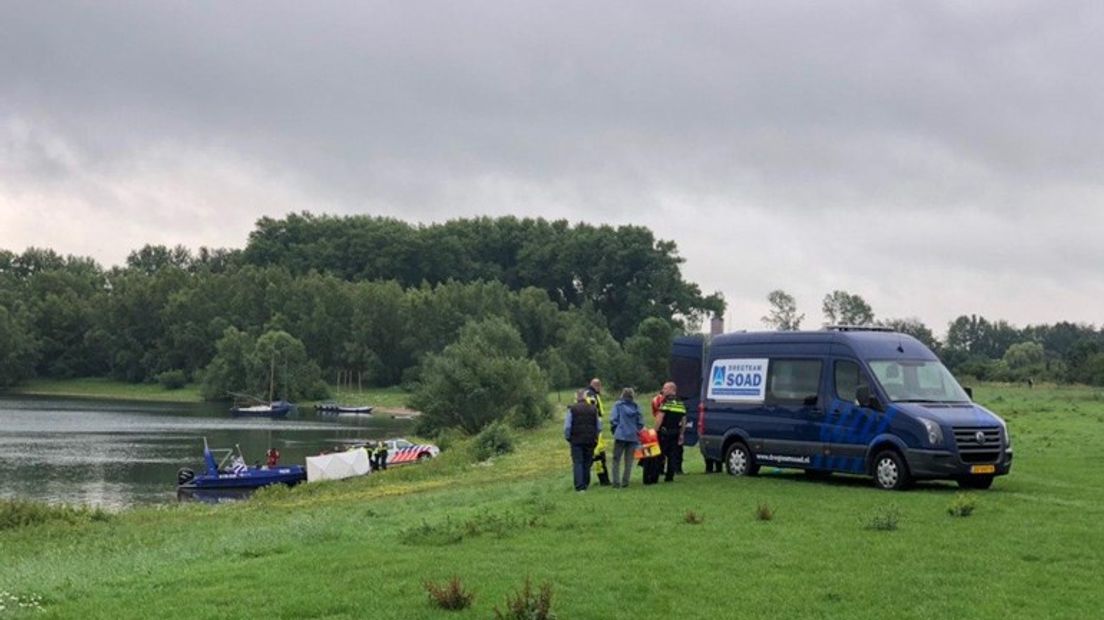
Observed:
{"x":16,"y":513}
{"x":450,"y":595}
{"x":884,"y":520}
{"x":481,"y":378}
{"x":172,"y":379}
{"x":764,"y":512}
{"x":494,"y":440}
{"x":447,"y":438}
{"x":962,"y":505}
{"x":527,"y":605}
{"x":693,"y":518}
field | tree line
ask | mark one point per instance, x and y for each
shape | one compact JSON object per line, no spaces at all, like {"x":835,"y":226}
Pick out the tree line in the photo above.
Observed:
{"x":313,"y":300}
{"x":988,"y":350}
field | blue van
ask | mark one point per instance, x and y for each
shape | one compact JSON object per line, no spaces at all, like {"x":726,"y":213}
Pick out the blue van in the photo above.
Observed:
{"x":854,"y":400}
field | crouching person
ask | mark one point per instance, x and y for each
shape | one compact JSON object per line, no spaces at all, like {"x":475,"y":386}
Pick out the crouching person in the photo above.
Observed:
{"x":581,"y":428}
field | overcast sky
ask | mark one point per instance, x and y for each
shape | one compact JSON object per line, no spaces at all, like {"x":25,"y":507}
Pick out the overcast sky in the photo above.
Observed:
{"x":936,"y":158}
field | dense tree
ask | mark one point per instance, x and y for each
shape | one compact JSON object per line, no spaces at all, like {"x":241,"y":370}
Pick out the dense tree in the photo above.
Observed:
{"x":482,"y":378}
{"x":843,"y":308}
{"x":625,"y":273}
{"x":373,"y":300}
{"x":231,"y":370}
{"x":648,"y":352}
{"x":275,"y":364}
{"x":18,"y":350}
{"x":979,"y":337}
{"x":915,"y":328}
{"x":783,"y":314}
{"x":283,"y":367}
{"x":1024,"y":355}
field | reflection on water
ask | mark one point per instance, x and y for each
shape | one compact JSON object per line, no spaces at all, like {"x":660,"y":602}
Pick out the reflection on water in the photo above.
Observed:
{"x":116,"y":454}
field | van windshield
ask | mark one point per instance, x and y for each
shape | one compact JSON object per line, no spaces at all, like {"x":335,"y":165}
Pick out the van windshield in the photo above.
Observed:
{"x":906,"y":381}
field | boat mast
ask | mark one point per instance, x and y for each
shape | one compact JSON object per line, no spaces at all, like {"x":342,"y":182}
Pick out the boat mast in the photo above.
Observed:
{"x":271,"y":376}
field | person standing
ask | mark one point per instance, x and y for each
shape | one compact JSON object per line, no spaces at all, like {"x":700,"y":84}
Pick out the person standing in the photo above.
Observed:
{"x":657,"y":402}
{"x":581,"y":429}
{"x":381,"y":455}
{"x":671,"y":424}
{"x":669,"y":389}
{"x":601,"y":465}
{"x":625,"y":424}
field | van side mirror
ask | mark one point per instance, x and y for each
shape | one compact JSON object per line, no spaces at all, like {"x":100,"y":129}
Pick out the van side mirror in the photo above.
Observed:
{"x":866,"y":399}
{"x":969,"y":392}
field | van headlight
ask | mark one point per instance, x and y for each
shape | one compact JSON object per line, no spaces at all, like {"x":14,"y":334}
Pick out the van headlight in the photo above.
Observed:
{"x":935,"y":433}
{"x":1007,"y":435}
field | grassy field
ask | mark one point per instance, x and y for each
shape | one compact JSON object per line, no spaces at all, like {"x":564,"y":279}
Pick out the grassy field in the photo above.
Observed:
{"x":98,"y":387}
{"x":363,"y":548}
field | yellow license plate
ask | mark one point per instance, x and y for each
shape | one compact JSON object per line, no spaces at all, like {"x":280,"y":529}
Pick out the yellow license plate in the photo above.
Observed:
{"x":983,"y":469}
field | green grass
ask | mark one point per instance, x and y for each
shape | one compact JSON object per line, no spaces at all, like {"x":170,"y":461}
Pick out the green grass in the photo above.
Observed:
{"x":1032,"y":547}
{"x":388,"y":398}
{"x":98,"y":387}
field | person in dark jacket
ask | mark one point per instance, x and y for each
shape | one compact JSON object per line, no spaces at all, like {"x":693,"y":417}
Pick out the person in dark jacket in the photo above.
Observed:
{"x":626,"y":424}
{"x":581,"y":428}
{"x":671,"y":425}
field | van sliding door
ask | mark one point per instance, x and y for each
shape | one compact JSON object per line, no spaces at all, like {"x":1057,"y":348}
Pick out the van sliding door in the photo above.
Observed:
{"x":789,"y":424}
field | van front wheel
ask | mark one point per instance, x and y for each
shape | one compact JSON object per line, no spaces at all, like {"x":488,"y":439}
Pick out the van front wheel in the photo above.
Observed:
{"x":890,"y":471}
{"x":739,"y":461}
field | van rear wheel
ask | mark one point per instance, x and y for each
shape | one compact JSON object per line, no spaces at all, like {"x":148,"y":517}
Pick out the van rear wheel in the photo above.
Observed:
{"x":739,"y":461}
{"x":890,"y":471}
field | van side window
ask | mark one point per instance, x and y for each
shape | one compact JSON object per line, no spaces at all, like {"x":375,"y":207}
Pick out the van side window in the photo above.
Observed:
{"x":848,"y":379}
{"x":796,"y":381}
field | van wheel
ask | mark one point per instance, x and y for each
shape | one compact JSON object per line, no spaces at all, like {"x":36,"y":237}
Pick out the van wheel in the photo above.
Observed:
{"x":890,"y":471}
{"x":976,"y":482}
{"x":739,"y":461}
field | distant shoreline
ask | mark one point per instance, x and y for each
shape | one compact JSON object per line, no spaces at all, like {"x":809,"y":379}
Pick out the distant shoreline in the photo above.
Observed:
{"x":388,"y":401}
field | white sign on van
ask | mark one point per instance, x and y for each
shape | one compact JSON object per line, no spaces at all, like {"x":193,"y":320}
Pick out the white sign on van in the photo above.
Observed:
{"x":738,"y":380}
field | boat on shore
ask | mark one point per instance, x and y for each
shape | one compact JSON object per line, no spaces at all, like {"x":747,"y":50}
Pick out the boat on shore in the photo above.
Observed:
{"x":343,"y":409}
{"x":233,"y":473}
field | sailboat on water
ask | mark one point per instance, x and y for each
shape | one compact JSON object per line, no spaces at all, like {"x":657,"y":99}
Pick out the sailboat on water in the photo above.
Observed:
{"x":260,"y":408}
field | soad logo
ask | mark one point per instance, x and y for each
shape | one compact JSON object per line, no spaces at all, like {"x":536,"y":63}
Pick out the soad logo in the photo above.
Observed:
{"x":718,"y":375}
{"x":739,"y":380}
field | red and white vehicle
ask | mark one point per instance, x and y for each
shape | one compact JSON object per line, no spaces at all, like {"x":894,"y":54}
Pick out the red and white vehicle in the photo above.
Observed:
{"x":401,"y":452}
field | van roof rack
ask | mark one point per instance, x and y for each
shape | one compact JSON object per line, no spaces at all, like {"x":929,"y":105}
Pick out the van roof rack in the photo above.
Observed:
{"x":857,"y":328}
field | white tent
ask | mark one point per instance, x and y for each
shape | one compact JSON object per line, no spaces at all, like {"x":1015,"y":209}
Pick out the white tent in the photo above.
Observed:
{"x":338,"y":465}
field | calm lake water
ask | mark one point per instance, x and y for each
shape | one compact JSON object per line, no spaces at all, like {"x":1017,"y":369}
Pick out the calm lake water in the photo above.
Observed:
{"x":116,"y":454}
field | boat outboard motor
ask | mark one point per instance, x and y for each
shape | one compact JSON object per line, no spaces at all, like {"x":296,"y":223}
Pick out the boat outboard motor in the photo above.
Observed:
{"x":184,"y":476}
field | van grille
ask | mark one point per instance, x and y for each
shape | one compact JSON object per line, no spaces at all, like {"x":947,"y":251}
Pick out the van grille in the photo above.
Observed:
{"x":971,"y":450}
